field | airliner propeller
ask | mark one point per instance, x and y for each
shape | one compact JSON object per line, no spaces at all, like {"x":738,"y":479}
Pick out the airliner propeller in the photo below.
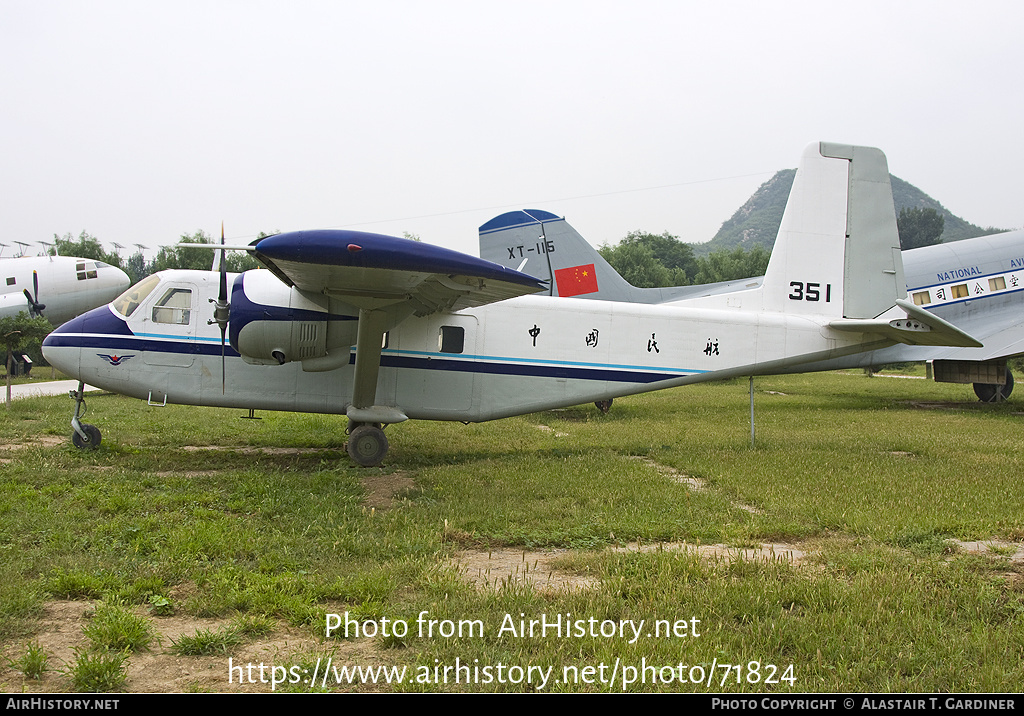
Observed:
{"x":35,"y":308}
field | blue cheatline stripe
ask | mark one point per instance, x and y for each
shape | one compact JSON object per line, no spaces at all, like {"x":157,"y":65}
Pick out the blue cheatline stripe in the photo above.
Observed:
{"x":672,"y":372}
{"x":121,"y":343}
{"x":566,"y":370}
{"x":497,"y":365}
{"x":166,"y":337}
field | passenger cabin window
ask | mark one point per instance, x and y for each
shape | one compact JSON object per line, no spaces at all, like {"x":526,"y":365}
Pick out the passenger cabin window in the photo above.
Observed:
{"x":10,"y":280}
{"x":922,"y":298}
{"x":960,"y":291}
{"x":452,"y":339}
{"x":174,"y":307}
{"x":996,"y":284}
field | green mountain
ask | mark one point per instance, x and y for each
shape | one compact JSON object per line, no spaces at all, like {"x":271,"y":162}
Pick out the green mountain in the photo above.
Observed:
{"x":757,"y":222}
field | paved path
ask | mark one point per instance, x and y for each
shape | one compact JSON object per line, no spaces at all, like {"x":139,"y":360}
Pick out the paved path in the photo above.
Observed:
{"x":29,"y":390}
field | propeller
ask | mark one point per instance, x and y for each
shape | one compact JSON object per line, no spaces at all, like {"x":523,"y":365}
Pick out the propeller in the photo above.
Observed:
{"x":222,"y":309}
{"x":35,"y":308}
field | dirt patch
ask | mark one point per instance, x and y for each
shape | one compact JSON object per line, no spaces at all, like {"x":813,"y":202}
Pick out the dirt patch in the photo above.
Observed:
{"x":250,"y":450}
{"x":36,"y":441}
{"x":381,"y":489}
{"x":1012,"y":551}
{"x":494,"y":568}
{"x":160,"y":671}
{"x":924,"y":405}
{"x":694,"y":483}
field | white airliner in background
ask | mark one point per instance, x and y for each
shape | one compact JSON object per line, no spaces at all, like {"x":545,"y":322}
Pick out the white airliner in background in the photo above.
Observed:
{"x":57,"y":287}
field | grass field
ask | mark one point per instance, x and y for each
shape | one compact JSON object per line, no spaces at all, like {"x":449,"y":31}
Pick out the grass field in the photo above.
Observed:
{"x":197,"y":537}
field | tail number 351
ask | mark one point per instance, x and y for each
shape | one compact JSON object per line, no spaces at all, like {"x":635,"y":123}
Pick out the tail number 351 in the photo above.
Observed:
{"x":809,"y":291}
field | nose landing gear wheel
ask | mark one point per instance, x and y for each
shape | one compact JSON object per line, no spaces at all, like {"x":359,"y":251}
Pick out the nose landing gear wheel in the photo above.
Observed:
{"x":91,"y":440}
{"x":367,"y":445}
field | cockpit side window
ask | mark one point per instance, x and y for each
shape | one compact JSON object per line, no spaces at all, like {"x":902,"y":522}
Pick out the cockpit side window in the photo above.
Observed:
{"x":174,"y":307}
{"x":127,"y":302}
{"x":86,"y":270}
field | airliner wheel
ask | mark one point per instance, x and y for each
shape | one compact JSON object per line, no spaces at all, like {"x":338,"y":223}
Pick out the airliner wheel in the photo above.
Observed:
{"x":92,"y":439}
{"x":993,"y":393}
{"x":367,"y":445}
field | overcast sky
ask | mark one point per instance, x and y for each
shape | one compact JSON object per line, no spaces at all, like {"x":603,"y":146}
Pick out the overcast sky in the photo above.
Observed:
{"x":140,"y":121}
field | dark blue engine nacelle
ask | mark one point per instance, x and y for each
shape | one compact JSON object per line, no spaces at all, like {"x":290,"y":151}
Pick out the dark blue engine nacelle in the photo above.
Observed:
{"x":272,"y":324}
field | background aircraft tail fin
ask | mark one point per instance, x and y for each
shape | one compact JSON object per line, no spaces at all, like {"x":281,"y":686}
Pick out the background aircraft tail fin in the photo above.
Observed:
{"x":838,"y":248}
{"x":544,"y":245}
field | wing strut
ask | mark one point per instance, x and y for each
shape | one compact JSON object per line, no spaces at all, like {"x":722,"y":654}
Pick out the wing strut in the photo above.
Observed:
{"x":369,"y":339}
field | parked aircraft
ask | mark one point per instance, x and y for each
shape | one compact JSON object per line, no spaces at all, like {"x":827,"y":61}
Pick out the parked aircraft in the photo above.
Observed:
{"x":975,"y":284}
{"x":57,"y":287}
{"x":440,"y":335}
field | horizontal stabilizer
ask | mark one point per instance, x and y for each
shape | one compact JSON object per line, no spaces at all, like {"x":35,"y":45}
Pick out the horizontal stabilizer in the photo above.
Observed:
{"x":919,"y":328}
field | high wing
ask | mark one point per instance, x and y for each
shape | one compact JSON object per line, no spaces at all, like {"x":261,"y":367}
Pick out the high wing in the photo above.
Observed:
{"x":373,"y":269}
{"x":387,"y":279}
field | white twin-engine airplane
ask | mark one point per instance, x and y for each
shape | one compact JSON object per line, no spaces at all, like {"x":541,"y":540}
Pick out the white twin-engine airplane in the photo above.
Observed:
{"x":57,"y":287}
{"x":440,"y":335}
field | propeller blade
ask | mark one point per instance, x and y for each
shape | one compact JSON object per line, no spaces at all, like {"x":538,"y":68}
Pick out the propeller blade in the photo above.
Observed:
{"x":34,"y":307}
{"x":222,"y":312}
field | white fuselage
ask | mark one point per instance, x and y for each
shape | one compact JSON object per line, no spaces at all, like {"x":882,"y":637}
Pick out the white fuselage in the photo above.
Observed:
{"x":513,"y":357}
{"x":68,"y":286}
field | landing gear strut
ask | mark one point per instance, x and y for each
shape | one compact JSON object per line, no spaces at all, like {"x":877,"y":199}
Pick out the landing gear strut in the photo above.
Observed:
{"x":84,"y":435}
{"x":993,"y":393}
{"x":367,"y":444}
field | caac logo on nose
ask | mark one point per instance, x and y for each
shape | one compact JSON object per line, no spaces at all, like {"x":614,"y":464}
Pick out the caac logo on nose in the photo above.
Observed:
{"x":114,"y":360}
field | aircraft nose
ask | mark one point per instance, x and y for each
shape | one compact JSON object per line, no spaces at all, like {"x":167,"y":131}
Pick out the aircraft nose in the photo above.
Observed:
{"x":119,"y":279}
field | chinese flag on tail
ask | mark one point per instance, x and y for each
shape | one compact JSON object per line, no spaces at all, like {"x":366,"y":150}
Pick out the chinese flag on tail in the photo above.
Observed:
{"x":575,"y":280}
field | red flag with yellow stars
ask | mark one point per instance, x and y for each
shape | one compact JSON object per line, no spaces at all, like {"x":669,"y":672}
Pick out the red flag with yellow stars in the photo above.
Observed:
{"x":575,"y":280}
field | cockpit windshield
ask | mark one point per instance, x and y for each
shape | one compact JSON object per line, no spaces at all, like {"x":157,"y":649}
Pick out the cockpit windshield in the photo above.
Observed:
{"x":127,"y":302}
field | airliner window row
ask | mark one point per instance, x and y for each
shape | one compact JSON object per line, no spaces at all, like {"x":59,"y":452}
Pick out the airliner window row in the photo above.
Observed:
{"x":975,"y":288}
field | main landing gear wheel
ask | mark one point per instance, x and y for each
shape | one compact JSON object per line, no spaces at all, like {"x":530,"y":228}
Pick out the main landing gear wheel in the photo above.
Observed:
{"x":367,"y":445}
{"x":91,"y":440}
{"x":604,"y":405}
{"x":993,"y":393}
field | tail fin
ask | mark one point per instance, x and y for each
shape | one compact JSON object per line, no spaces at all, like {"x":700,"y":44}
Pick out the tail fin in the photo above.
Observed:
{"x":545,"y":246}
{"x":838,"y":249}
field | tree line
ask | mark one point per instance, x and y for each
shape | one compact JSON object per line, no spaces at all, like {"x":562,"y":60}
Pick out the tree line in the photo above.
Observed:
{"x":174,"y":256}
{"x":655,"y":260}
